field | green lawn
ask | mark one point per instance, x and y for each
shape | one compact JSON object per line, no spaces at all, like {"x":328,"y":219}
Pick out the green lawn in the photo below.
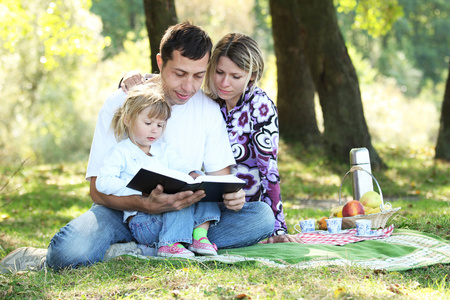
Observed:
{"x":39,"y":200}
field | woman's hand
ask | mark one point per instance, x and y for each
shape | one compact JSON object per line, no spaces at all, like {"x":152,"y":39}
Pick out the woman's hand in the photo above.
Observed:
{"x":286,"y":238}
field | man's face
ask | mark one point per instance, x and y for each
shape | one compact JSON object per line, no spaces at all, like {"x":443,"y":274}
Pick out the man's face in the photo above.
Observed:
{"x":182,"y":77}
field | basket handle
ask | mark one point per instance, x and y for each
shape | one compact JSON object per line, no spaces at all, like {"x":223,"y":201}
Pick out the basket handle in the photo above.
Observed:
{"x":357,"y":168}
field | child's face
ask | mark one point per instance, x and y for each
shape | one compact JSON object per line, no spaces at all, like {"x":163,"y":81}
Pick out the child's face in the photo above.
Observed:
{"x":144,"y":131}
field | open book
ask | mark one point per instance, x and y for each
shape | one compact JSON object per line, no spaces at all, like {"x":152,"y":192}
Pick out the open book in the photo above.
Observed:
{"x":174,"y":181}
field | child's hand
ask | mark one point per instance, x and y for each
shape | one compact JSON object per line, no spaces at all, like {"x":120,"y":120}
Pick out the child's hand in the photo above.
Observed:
{"x":130,"y":80}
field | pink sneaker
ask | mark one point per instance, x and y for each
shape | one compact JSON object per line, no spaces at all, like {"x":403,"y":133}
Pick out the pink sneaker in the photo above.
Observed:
{"x":174,"y":251}
{"x":203,"y":248}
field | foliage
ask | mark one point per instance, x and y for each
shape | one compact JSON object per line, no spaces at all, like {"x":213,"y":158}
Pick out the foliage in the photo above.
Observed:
{"x":426,"y":30}
{"x":123,"y":20}
{"x":52,"y":83}
{"x":403,"y":39}
{"x":41,"y":199}
{"x":374,"y":16}
{"x":44,"y":45}
{"x":263,"y":25}
{"x":59,"y":28}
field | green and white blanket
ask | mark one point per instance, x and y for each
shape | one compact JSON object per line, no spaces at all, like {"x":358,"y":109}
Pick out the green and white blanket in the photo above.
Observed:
{"x":403,"y":250}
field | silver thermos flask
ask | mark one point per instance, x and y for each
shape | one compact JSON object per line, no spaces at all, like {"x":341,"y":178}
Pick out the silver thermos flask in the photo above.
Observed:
{"x":362,"y":182}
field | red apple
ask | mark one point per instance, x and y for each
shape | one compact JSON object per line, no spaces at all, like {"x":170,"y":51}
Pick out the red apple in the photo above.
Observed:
{"x":352,"y":208}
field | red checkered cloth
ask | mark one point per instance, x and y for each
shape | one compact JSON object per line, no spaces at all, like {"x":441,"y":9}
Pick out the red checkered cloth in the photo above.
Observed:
{"x":340,"y":239}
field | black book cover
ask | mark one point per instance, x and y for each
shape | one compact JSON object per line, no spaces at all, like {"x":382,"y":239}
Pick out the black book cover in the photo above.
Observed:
{"x":146,"y":181}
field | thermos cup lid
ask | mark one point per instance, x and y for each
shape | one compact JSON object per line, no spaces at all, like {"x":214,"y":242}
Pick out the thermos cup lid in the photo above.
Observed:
{"x":359,"y":156}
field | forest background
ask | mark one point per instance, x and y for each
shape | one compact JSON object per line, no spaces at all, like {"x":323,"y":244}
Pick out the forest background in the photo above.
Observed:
{"x":59,"y":60}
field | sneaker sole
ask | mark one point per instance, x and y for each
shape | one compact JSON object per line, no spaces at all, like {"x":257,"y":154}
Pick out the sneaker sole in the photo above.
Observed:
{"x":203,"y":251}
{"x":168,"y":255}
{"x":23,"y":259}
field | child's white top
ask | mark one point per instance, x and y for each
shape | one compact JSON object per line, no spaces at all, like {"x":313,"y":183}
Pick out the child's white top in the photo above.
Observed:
{"x":123,"y":162}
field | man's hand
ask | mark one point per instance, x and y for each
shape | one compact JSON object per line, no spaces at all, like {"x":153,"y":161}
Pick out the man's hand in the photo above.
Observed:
{"x":159,"y":202}
{"x":130,"y":80}
{"x":234,"y":201}
{"x":286,"y":238}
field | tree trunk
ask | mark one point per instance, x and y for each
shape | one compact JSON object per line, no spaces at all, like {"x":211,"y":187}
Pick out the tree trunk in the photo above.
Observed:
{"x":443,"y":141}
{"x":296,"y":91}
{"x":159,"y":15}
{"x":336,"y":82}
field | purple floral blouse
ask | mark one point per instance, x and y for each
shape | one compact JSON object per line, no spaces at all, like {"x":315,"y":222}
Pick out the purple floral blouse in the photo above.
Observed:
{"x":253,"y":131}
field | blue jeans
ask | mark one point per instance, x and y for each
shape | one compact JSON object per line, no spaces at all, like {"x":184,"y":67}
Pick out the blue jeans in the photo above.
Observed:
{"x":84,"y":240}
{"x":171,"y":227}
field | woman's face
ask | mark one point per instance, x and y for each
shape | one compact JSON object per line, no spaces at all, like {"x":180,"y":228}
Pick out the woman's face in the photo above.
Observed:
{"x":229,"y":80}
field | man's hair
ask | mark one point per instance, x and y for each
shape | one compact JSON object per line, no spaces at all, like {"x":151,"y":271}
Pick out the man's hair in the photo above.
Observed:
{"x":138,"y":99}
{"x":192,"y":41}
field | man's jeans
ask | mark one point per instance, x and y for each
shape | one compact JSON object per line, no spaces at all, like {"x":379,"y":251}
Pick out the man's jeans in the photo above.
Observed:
{"x":84,"y":240}
{"x":172,"y":227}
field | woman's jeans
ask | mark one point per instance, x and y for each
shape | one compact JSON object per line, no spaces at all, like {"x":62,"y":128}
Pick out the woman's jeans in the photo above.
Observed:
{"x":84,"y":240}
{"x":172,"y":227}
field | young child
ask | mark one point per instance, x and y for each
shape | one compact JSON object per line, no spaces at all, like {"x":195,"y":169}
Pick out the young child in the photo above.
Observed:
{"x":137,"y":126}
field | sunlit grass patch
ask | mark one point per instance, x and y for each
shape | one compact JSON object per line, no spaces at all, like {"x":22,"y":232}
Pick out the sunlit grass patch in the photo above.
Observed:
{"x":42,"y":199}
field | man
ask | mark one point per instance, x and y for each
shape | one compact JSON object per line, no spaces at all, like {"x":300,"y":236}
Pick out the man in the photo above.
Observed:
{"x":196,"y":130}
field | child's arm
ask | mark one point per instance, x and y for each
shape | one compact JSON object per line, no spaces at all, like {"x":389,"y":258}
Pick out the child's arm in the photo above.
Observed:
{"x":111,"y":179}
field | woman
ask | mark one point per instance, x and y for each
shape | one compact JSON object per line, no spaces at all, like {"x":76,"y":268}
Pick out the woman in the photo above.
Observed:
{"x":235,"y":67}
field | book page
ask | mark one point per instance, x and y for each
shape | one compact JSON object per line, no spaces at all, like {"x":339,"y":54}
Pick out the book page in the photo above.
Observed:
{"x":173,"y":173}
{"x":218,"y":178}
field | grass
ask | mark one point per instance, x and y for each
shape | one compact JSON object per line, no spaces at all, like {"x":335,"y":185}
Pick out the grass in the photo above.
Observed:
{"x":40,"y":199}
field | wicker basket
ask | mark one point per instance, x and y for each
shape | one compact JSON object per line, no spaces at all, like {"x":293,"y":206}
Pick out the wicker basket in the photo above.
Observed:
{"x":378,"y":219}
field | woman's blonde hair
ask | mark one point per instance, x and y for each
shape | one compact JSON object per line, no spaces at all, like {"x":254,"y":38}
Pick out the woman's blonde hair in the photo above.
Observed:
{"x":138,"y":99}
{"x":244,"y":52}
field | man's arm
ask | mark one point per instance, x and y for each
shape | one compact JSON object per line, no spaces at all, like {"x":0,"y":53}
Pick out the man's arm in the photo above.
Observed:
{"x":157,"y":202}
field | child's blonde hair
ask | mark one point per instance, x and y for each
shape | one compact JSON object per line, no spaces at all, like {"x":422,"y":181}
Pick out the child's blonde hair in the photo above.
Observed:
{"x":138,"y":99}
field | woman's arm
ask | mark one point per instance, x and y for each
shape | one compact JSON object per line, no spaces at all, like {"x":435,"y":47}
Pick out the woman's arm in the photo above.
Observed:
{"x":265,"y":139}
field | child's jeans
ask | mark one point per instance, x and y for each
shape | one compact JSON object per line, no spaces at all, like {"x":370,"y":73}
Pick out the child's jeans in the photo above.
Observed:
{"x":172,"y":227}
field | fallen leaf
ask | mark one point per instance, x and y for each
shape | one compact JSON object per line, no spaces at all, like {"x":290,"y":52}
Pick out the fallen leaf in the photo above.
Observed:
{"x":339,"y":291}
{"x":395,"y":289}
{"x":243,"y":296}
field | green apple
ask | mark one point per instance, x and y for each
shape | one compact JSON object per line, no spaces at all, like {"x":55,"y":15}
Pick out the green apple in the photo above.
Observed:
{"x":371,"y":199}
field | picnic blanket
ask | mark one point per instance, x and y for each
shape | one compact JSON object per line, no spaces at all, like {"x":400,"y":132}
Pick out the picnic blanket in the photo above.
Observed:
{"x":347,"y":237}
{"x":401,"y":250}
